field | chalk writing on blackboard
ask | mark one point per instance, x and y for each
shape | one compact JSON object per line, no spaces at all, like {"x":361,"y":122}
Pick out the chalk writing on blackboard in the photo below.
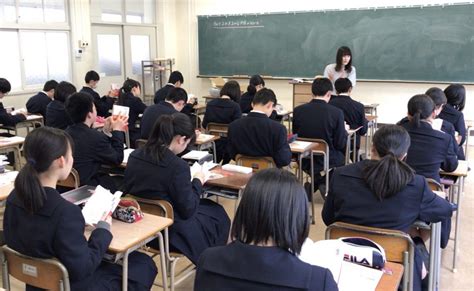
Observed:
{"x":236,"y":24}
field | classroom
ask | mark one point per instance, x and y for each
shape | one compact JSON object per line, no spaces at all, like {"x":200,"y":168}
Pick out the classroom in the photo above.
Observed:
{"x":134,"y":45}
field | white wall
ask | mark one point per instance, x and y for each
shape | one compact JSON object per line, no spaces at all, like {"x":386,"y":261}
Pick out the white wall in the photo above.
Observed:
{"x":392,"y":97}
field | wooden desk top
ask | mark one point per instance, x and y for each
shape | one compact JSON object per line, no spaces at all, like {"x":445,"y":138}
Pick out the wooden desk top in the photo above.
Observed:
{"x":199,"y":106}
{"x":33,"y":117}
{"x":209,"y":97}
{"x":370,"y":117}
{"x":127,"y":235}
{"x":231,"y":180}
{"x":202,"y":141}
{"x":461,"y":170}
{"x":372,"y":105}
{"x":469,"y":123}
{"x":11,"y":141}
{"x":298,"y":150}
{"x":390,"y":282}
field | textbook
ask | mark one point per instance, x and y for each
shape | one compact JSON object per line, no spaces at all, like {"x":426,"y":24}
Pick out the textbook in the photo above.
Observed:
{"x":204,"y":168}
{"x":198,"y":156}
{"x":126,"y":155}
{"x":120,"y":110}
{"x":101,"y":203}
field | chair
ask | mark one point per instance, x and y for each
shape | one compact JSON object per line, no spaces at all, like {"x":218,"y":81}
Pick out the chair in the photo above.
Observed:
{"x":47,"y":274}
{"x":434,"y":185}
{"x":256,"y":163}
{"x":140,"y":143}
{"x":72,"y":181}
{"x":398,"y":246}
{"x":218,"y":129}
{"x":165,"y":209}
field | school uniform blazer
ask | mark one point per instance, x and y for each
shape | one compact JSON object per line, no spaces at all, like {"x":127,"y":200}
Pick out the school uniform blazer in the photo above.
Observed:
{"x":151,"y":115}
{"x":240,"y":266}
{"x":161,"y":94}
{"x":430,"y":150}
{"x":56,"y":230}
{"x":449,"y":113}
{"x":318,"y":119}
{"x":221,"y":110}
{"x":102,"y":104}
{"x":8,"y":119}
{"x":256,"y":135}
{"x":354,"y":113}
{"x":56,"y":115}
{"x":350,"y":200}
{"x":37,"y":104}
{"x":246,"y":102}
{"x":93,"y":149}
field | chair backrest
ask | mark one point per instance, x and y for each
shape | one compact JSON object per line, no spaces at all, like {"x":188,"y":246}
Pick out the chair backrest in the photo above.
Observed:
{"x":218,"y":129}
{"x":434,"y":185}
{"x":72,"y":181}
{"x":256,"y":163}
{"x":155,"y":207}
{"x":139,"y":143}
{"x":47,"y":274}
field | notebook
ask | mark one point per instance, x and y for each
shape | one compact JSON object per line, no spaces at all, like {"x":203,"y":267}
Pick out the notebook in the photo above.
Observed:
{"x":79,"y":195}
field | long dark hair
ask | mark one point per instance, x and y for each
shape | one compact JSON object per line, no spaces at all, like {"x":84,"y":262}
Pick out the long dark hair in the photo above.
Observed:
{"x":343,"y":51}
{"x":437,"y":95}
{"x":456,"y":95}
{"x":127,"y":87}
{"x":42,"y":146}
{"x":389,"y":175}
{"x":231,"y":89}
{"x":273,"y":208}
{"x":163,"y":132}
{"x":255,"y":80}
{"x":420,"y":107}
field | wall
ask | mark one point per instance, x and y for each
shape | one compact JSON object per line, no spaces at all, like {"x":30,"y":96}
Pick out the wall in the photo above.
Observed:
{"x":392,"y":97}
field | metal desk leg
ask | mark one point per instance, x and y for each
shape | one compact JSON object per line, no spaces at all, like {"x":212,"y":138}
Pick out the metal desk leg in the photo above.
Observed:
{"x":125,"y":271}
{"x":164,"y":276}
{"x":354,"y":150}
{"x":458,"y":220}
{"x":17,"y":155}
{"x":313,"y":221}
{"x":435,"y":241}
{"x":214,"y":151}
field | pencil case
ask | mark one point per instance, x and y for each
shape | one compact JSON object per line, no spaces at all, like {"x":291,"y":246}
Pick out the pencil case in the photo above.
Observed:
{"x":128,"y":210}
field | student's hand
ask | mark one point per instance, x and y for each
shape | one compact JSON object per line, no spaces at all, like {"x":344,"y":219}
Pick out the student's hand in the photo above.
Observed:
{"x":108,"y":219}
{"x":113,"y":93}
{"x":200,"y":176}
{"x":118,"y":122}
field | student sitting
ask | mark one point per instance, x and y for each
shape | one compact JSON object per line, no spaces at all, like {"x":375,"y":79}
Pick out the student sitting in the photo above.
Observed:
{"x":318,"y":119}
{"x":269,"y":228}
{"x":175,"y":102}
{"x":452,"y":112}
{"x":7,"y":118}
{"x":256,"y":135}
{"x":37,"y":104}
{"x":223,"y":110}
{"x":430,"y":149}
{"x":38,"y":222}
{"x":256,"y":83}
{"x":56,"y":115}
{"x":384,"y":192}
{"x":129,"y":96}
{"x":175,"y":81}
{"x":103,"y":104}
{"x":91,"y":147}
{"x":354,"y":112}
{"x":155,"y":172}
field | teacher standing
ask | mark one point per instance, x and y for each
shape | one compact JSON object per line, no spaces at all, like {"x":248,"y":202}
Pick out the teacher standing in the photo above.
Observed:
{"x":342,"y":68}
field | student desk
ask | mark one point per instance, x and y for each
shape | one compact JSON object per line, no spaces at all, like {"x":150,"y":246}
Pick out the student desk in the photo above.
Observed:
{"x":351,"y":135}
{"x":128,"y":237}
{"x":31,"y":121}
{"x":285,"y":115}
{"x":469,"y":128}
{"x":370,"y":108}
{"x":13,"y":144}
{"x":204,"y":139}
{"x":460,"y":173}
{"x":371,"y":126}
{"x":301,"y":151}
{"x":390,"y":282}
{"x":199,"y":109}
{"x":208,"y":98}
{"x":7,"y":183}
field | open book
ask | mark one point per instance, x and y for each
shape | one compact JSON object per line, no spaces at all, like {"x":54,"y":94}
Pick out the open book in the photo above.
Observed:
{"x":120,"y":110}
{"x":101,"y":203}
{"x":205,"y":168}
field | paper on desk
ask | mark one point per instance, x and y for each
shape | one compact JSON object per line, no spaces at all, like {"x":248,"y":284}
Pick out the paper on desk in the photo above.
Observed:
{"x":300,"y":145}
{"x":357,"y":277}
{"x":12,"y":139}
{"x":324,"y":253}
{"x":20,"y":110}
{"x":126,"y":155}
{"x":204,"y":137}
{"x":33,"y":116}
{"x":99,"y":204}
{"x":204,"y":168}
{"x":8,"y":178}
{"x":195,"y":155}
{"x":120,"y":110}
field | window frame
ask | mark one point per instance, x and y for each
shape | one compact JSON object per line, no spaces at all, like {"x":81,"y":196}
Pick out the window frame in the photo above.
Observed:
{"x":154,"y":23}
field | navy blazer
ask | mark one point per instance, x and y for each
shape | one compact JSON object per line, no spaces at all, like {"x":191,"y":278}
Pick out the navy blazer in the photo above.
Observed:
{"x":137,"y":107}
{"x":56,"y":230}
{"x":8,"y":119}
{"x":318,"y":119}
{"x":240,"y":266}
{"x":354,"y":113}
{"x":456,"y":117}
{"x":161,"y":94}
{"x":56,"y":115}
{"x":246,"y":102}
{"x":37,"y":104}
{"x":221,"y":110}
{"x":256,"y":135}
{"x":102,"y":104}
{"x":151,"y":115}
{"x":430,"y":150}
{"x":93,"y":149}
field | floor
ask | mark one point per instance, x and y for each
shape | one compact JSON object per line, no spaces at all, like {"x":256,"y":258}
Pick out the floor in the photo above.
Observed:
{"x":461,"y":280}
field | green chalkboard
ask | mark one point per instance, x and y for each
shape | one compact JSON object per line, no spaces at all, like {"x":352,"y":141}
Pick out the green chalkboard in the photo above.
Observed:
{"x":415,"y":44}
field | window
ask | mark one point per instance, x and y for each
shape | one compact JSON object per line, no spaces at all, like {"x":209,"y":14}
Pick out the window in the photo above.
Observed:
{"x":120,"y":11}
{"x":140,"y":50}
{"x":29,"y":56}
{"x":108,"y":52}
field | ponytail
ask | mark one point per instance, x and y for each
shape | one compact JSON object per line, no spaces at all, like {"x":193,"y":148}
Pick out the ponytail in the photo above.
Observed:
{"x":163,"y":132}
{"x":420,"y":107}
{"x":389,"y":175}
{"x":42,"y":147}
{"x":254,"y":81}
{"x":127,"y":87}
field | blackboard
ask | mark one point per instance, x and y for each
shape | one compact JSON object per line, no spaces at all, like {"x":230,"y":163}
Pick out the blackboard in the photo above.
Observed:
{"x":414,"y":44}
